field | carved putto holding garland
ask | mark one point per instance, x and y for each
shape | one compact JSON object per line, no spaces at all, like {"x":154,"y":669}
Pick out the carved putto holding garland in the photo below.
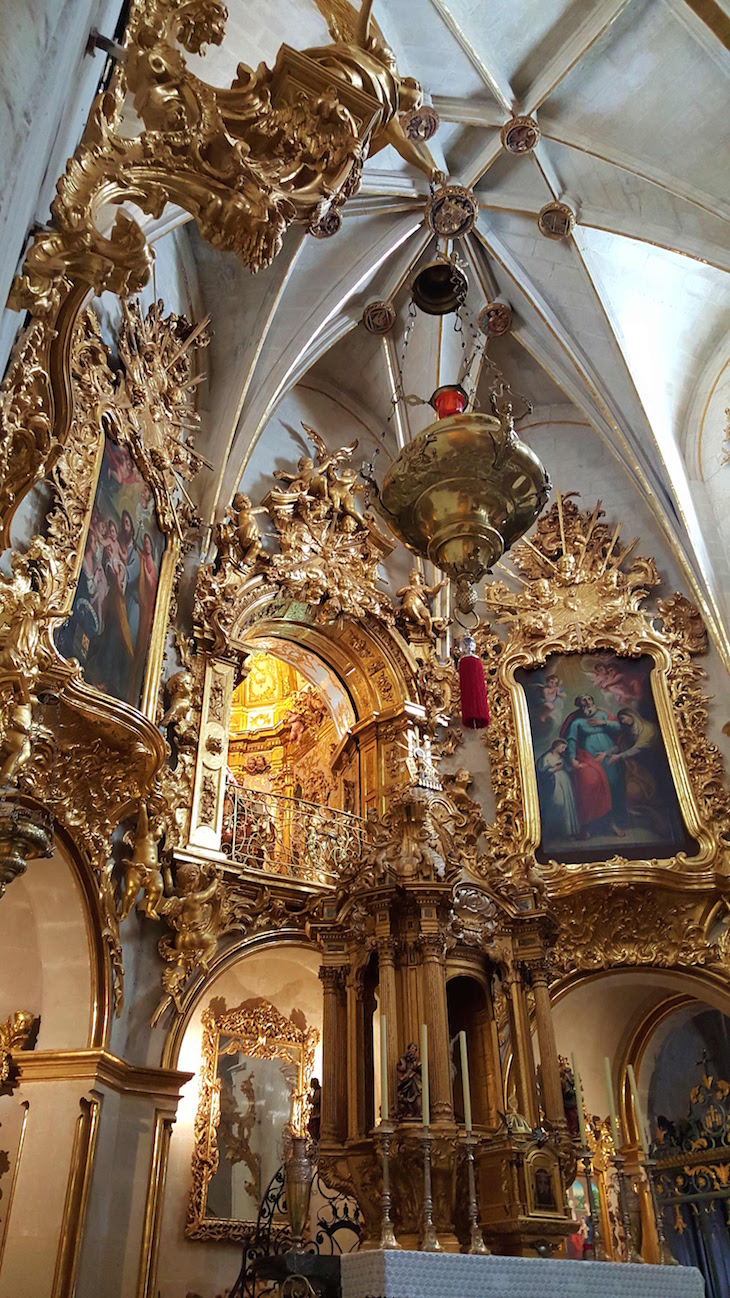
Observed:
{"x":580,"y":599}
{"x":329,"y":550}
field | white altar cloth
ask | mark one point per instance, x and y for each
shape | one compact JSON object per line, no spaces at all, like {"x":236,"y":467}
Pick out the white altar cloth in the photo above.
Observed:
{"x":402,"y":1274}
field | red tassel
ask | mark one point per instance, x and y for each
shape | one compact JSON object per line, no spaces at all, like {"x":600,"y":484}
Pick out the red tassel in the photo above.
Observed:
{"x":474,"y":705}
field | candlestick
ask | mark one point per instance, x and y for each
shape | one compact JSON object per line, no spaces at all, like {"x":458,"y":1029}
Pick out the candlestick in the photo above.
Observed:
{"x":430,"y":1242}
{"x":666,"y":1257}
{"x":425,"y":1092}
{"x":611,"y":1106}
{"x":465,"y":1081}
{"x":587,"y":1172}
{"x":476,"y":1244}
{"x":387,"y":1233}
{"x":637,"y":1111}
{"x":384,"y":1110}
{"x":631,"y":1252}
{"x":579,"y":1102}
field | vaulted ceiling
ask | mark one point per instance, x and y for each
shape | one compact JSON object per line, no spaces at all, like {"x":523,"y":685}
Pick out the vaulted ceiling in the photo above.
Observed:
{"x":625,"y":322}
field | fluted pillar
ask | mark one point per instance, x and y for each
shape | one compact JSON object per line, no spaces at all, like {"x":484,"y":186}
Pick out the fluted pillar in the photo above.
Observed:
{"x":437,"y":1017}
{"x":334,"y":1054}
{"x":552,"y":1092}
{"x":523,"y":1063}
{"x":388,"y":1002}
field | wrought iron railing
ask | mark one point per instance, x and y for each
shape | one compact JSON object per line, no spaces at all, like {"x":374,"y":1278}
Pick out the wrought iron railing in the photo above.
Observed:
{"x":289,"y":836}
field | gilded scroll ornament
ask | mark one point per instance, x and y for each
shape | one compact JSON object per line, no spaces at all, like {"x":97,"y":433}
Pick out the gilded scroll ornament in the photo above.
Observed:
{"x":18,"y":1032}
{"x":192,"y":908}
{"x":279,"y":146}
{"x":615,"y":926}
{"x":581,"y":590}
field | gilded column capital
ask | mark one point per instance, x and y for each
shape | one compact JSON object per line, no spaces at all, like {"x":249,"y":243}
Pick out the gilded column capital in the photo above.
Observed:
{"x":333,"y":976}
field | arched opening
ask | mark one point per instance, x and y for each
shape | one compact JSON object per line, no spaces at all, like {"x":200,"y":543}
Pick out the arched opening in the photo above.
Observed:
{"x":673,"y":1028}
{"x":469,"y":1011}
{"x":47,"y":954}
{"x":275,"y":986}
{"x":292,"y":798}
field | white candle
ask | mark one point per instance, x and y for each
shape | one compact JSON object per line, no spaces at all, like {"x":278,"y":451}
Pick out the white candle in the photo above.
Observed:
{"x":384,"y":1111}
{"x":612,"y":1107}
{"x":465,"y":1080}
{"x":579,"y":1102}
{"x":637,"y":1111}
{"x":425,"y":1093}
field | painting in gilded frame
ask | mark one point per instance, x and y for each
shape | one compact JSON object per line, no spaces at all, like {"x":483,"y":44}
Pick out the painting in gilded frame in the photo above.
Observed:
{"x":604,"y":782}
{"x":110,"y":626}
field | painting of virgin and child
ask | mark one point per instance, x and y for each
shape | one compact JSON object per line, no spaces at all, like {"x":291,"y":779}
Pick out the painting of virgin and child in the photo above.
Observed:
{"x":603,"y":778}
{"x":110,"y":626}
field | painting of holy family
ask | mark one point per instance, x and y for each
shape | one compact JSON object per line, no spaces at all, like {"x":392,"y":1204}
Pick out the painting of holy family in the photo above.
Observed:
{"x":110,"y":626}
{"x":603,"y":778}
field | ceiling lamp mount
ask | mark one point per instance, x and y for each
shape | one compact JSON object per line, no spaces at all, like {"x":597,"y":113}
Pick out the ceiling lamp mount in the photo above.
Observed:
{"x":520,"y":135}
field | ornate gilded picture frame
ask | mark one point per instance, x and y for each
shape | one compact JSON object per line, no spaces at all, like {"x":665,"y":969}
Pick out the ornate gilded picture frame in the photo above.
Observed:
{"x":124,"y":492}
{"x":585,"y":667}
{"x":256,"y":1069}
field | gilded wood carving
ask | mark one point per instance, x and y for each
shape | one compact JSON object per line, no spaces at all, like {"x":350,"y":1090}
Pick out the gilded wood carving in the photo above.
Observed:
{"x":581,"y":592}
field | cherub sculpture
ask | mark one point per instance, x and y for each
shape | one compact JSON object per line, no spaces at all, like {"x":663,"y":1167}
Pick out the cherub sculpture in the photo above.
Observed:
{"x":142,"y":870}
{"x":317,"y":482}
{"x":192,"y":907}
{"x":180,"y":695}
{"x":250,"y":547}
{"x":16,"y":748}
{"x":414,"y":608}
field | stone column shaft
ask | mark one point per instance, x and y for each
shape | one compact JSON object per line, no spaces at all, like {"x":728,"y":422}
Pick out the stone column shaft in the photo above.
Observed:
{"x":437,"y":1019}
{"x":552,"y":1092}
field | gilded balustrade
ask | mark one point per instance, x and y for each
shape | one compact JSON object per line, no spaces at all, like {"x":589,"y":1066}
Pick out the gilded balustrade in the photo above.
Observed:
{"x":290,"y":836}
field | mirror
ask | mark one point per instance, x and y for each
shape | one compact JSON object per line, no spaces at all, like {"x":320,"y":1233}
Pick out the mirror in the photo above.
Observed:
{"x":254,"y":1086}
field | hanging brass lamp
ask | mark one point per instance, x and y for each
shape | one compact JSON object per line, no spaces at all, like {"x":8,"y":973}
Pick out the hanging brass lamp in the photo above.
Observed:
{"x":464,"y":490}
{"x":440,"y":286}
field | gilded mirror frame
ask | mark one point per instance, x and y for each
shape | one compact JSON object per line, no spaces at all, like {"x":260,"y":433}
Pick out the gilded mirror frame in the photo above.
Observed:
{"x":261,"y":1032}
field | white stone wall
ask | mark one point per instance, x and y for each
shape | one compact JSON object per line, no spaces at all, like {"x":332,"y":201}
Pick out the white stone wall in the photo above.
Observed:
{"x":47,"y":83}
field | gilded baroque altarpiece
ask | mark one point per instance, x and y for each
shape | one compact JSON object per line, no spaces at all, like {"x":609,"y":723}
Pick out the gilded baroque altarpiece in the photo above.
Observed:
{"x":579,"y":590}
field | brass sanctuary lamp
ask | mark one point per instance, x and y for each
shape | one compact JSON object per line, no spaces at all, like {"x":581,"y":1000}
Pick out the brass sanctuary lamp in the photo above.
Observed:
{"x":460,"y":494}
{"x":464,"y":490}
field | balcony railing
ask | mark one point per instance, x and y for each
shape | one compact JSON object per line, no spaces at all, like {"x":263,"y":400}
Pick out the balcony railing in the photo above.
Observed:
{"x":288,"y":836}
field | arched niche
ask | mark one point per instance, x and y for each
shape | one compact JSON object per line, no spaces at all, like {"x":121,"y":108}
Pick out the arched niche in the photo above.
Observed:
{"x":614,"y":1014}
{"x":283,"y":972}
{"x":50,"y":958}
{"x":369,"y":669}
{"x":373,"y":664}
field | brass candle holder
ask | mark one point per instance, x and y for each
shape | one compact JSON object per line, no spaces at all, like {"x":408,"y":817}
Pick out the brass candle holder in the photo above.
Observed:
{"x":586,"y":1160}
{"x":666,"y":1257}
{"x":632,"y":1254}
{"x":387,"y":1233}
{"x":476,"y":1244}
{"x":430,"y":1242}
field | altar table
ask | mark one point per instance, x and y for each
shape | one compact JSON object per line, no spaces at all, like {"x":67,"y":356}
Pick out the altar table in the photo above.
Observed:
{"x":401,"y":1274}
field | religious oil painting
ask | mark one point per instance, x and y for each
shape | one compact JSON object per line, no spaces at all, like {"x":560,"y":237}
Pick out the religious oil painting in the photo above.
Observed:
{"x":604,"y":783}
{"x":111,"y":620}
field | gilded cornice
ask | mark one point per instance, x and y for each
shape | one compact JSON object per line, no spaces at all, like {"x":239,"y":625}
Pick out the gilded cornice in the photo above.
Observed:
{"x":101,"y":1068}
